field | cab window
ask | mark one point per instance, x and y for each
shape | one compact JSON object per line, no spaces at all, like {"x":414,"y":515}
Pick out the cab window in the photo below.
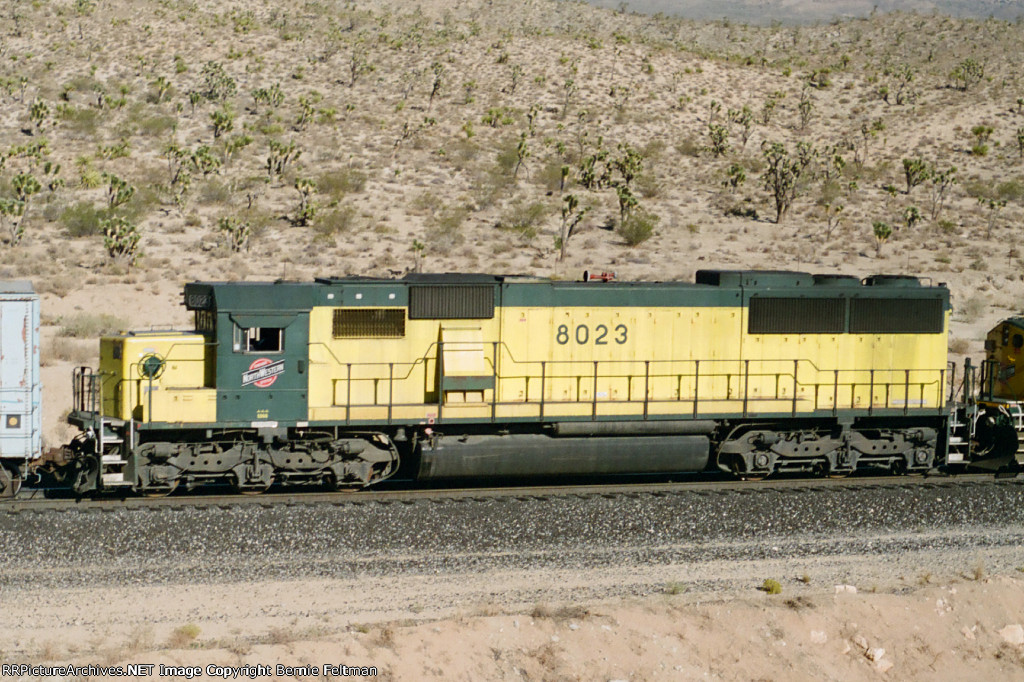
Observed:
{"x":259,"y":339}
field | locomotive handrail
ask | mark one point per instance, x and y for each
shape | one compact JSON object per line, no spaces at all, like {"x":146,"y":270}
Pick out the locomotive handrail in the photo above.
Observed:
{"x":899,"y":388}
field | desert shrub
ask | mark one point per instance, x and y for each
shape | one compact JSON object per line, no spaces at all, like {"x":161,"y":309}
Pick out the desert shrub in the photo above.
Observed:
{"x":979,"y":189}
{"x":53,"y":207}
{"x":91,"y":325}
{"x":338,"y":183}
{"x":156,"y":126}
{"x":508,"y":156}
{"x":63,"y":349}
{"x":334,"y":222}
{"x":771,"y":586}
{"x":183,"y":636}
{"x":638,"y":227}
{"x":82,"y":219}
{"x":445,"y":228}
{"x":59,"y":285}
{"x":741,"y":211}
{"x":689,"y":147}
{"x":78,"y":120}
{"x":426,"y":203}
{"x":648,"y":186}
{"x":550,"y":175}
{"x":959,"y":346}
{"x":1010,"y":190}
{"x":564,"y":612}
{"x":972,"y":309}
{"x":214,"y":192}
{"x":523,"y":218}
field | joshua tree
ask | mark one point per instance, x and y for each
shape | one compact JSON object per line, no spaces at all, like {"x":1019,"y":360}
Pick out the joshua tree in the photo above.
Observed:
{"x":237,"y":232}
{"x":882,"y":232}
{"x":571,"y":217}
{"x":941,"y":182}
{"x":967,"y":74}
{"x":782,"y":175}
{"x":223,"y":121}
{"x":805,"y":108}
{"x":280,"y":156}
{"x":718,"y":135}
{"x":911,"y":216}
{"x":833,"y":216}
{"x":915,"y":171}
{"x":306,"y":211}
{"x":119,"y":192}
{"x":121,"y":239}
{"x":736,"y":175}
{"x":438,"y":83}
{"x":13,"y":210}
{"x":522,"y":153}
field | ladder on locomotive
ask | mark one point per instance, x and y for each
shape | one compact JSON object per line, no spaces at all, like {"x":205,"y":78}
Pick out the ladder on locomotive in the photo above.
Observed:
{"x":110,"y":432}
{"x":963,"y":414}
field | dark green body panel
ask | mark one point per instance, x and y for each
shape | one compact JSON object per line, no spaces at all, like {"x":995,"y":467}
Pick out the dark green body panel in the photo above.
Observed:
{"x":279,"y":305}
{"x":285,"y":399}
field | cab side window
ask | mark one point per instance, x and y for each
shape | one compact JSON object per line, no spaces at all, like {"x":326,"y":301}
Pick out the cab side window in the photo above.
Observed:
{"x":258,"y":340}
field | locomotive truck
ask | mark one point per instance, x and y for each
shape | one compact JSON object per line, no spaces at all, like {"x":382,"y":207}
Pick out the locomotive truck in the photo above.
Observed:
{"x":344,"y":382}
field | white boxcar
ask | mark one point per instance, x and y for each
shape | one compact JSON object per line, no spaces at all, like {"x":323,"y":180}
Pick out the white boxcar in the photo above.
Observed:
{"x":20,"y":392}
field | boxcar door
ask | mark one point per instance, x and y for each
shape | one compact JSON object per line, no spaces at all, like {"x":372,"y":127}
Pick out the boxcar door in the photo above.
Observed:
{"x":262,"y":368}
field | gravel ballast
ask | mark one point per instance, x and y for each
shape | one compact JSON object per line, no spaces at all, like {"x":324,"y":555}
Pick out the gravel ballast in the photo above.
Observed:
{"x":940,"y":529}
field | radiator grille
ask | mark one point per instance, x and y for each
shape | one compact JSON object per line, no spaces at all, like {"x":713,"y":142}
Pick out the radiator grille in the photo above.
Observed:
{"x":375,"y":323}
{"x":797,"y":316}
{"x":896,"y":316}
{"x":451,"y":302}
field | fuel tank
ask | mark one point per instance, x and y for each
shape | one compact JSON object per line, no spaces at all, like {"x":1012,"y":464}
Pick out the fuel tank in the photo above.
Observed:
{"x":542,"y":455}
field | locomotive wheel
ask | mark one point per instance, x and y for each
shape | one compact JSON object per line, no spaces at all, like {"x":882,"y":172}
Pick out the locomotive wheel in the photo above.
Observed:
{"x":329,"y":481}
{"x":252,"y":488}
{"x":160,"y":491}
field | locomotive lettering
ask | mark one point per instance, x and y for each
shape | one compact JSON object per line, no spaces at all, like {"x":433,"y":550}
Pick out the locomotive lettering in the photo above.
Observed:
{"x":582,"y":334}
{"x":262,"y":373}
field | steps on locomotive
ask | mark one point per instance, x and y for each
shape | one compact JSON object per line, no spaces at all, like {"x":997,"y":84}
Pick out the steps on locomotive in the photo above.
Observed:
{"x":112,"y":462}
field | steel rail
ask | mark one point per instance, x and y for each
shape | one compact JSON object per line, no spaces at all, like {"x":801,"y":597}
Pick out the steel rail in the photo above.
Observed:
{"x":26,"y":502}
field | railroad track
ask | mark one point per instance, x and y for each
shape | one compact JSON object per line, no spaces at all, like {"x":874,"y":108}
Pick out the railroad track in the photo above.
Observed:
{"x":29,"y":501}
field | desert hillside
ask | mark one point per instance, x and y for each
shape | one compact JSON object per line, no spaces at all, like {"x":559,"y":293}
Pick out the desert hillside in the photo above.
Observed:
{"x":146,"y":144}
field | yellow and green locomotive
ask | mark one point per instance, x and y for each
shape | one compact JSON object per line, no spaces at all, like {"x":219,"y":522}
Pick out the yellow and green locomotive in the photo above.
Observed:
{"x":343,"y":381}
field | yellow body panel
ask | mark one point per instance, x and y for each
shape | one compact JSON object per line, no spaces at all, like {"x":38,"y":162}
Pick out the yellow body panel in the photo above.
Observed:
{"x":583,"y":361}
{"x":177,"y":394}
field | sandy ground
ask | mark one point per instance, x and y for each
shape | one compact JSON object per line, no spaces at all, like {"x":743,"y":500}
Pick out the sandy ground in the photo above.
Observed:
{"x":953,"y":631}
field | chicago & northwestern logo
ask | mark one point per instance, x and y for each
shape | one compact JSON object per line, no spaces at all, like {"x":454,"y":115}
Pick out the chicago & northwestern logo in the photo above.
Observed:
{"x":262,"y":373}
